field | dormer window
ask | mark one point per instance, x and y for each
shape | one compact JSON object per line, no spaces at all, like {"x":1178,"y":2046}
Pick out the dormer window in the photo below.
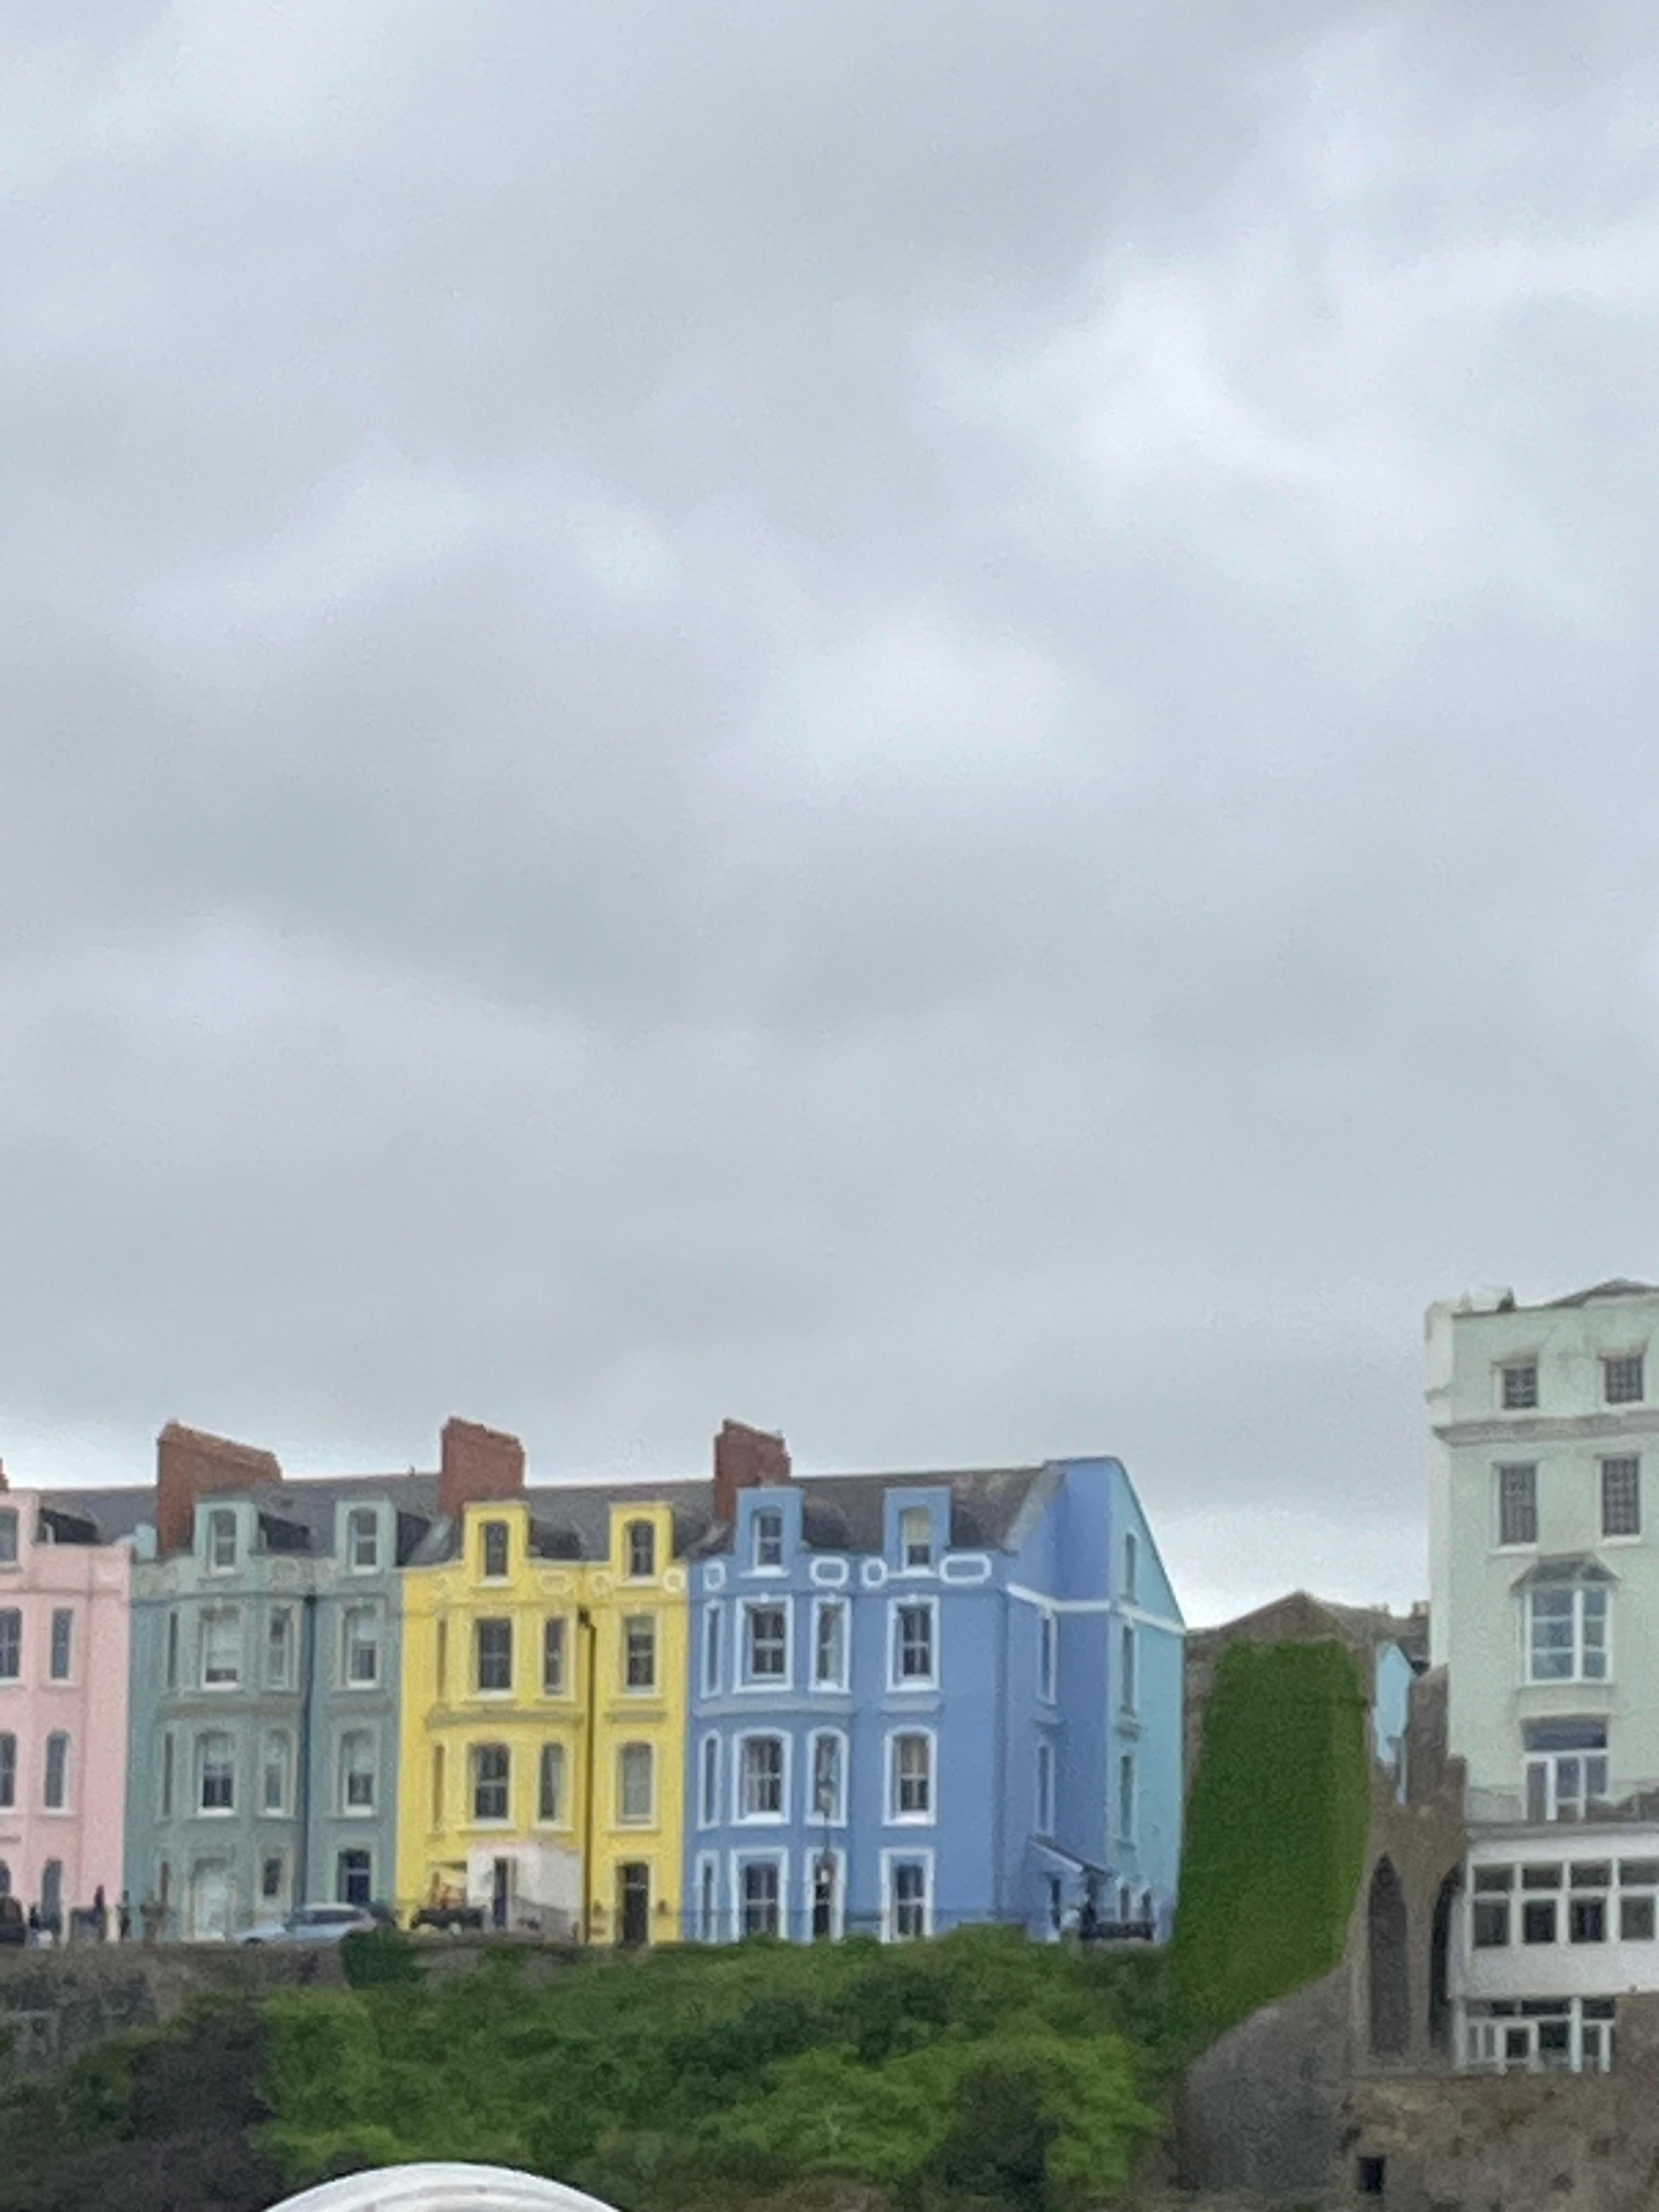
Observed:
{"x":494,"y":1550}
{"x":642,"y":1550}
{"x":221,"y":1540}
{"x":9,"y":1536}
{"x":768,"y":1538}
{"x":916,"y":1536}
{"x":363,"y":1539}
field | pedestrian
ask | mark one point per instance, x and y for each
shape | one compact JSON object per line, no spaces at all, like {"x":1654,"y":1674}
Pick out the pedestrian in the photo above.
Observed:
{"x":100,"y":1916}
{"x":35,"y":1936}
{"x":123,"y":1917}
{"x":150,"y":1914}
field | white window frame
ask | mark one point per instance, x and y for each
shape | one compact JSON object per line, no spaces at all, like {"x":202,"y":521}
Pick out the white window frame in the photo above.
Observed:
{"x":835,"y":1608}
{"x":224,"y":1682}
{"x":371,"y":1615}
{"x":198,"y":1778}
{"x":897,"y":1608}
{"x":779,"y":1862}
{"x":1612,"y":1359}
{"x":1591,"y":1764}
{"x":741,"y":1815}
{"x":891,"y":1861}
{"x":708,"y":1649}
{"x":653,"y":1688}
{"x":630,"y":1572}
{"x":349,"y":1739}
{"x":1500,"y":1468}
{"x":836,"y":1817}
{"x":637,"y":1822}
{"x":1632,"y":1461}
{"x":810,"y":1858}
{"x":475,"y":1818}
{"x":64,"y":1615}
{"x":708,"y":1780}
{"x":749,"y":1678}
{"x":1048,"y":1656}
{"x":219,"y":1517}
{"x":556,"y":1680}
{"x":362,"y":1520}
{"x":1579,"y":1650}
{"x":907,"y":1516}
{"x":1045,"y":1808}
{"x":280,"y":1678}
{"x":768,"y":1515}
{"x":897,"y":1817}
{"x":268,"y":1743}
{"x":486,"y":1572}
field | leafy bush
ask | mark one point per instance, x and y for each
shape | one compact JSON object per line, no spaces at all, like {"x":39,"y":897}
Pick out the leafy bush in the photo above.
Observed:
{"x":979,"y":2068}
{"x":1276,"y":1828}
{"x":386,"y":1956}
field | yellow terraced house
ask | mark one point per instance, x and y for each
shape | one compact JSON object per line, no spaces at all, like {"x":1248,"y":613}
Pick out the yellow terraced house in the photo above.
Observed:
{"x":543,"y":1710}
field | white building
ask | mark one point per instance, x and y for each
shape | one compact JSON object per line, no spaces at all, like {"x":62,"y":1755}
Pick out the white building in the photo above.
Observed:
{"x":1544,"y":1583}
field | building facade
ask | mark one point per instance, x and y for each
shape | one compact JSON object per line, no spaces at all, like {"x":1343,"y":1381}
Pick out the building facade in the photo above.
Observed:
{"x":543,"y":1712}
{"x":921,"y":1700}
{"x":265,"y":1671}
{"x":1545,"y":1592}
{"x":64,"y":1582}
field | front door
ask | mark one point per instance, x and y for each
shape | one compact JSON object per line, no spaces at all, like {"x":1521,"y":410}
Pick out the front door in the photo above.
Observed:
{"x":633,"y":1904}
{"x":209,"y":1902}
{"x":501,"y":1892}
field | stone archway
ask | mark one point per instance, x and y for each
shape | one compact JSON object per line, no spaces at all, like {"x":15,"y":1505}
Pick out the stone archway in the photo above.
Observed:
{"x":443,"y":2189}
{"x":1388,"y":1960}
{"x":1440,"y":1961}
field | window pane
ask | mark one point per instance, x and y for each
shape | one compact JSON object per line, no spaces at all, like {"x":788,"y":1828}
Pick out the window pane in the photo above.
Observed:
{"x":63,"y":1630}
{"x":1517,"y":1504}
{"x":550,"y":1796}
{"x":493,"y":1648}
{"x":767,"y":1642}
{"x":1621,"y":1497}
{"x":640,"y":1652}
{"x":553,"y":1657}
{"x":641,"y":1548}
{"x":635,"y":1782}
{"x":828,"y":1653}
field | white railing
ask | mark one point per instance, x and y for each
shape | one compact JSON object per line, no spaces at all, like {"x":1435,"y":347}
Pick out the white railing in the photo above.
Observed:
{"x":443,"y":2189}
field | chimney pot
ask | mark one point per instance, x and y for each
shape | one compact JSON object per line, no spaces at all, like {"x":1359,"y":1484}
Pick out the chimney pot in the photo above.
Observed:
{"x":745,"y":1459}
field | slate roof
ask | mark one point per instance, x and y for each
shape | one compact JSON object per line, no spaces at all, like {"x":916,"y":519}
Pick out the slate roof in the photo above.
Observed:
{"x":1617,"y":1287}
{"x":840,"y":1512}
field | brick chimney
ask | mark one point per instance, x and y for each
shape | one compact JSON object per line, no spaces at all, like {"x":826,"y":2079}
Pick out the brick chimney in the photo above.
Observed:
{"x":477,"y":1465}
{"x":190,"y":1465}
{"x":744,"y":1459}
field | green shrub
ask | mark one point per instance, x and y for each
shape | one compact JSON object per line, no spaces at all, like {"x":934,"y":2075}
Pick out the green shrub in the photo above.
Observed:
{"x":386,"y":1956}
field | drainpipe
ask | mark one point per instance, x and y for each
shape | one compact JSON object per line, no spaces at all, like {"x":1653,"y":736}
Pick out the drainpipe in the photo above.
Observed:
{"x":586,"y":1624}
{"x":307,"y":1656}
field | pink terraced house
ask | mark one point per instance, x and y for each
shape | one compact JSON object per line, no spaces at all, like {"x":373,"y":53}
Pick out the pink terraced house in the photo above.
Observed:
{"x":64,"y":1580}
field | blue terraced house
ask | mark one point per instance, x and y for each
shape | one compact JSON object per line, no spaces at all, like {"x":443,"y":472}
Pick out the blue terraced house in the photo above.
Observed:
{"x":920,"y":1700}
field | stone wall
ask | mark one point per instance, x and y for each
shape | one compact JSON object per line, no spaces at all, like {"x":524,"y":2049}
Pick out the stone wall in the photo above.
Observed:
{"x":1263,"y":2109}
{"x":54,"y":2005}
{"x":1528,"y":2143}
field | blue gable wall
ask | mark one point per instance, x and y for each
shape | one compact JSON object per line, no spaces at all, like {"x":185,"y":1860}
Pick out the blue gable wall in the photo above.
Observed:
{"x":1023,"y":1752}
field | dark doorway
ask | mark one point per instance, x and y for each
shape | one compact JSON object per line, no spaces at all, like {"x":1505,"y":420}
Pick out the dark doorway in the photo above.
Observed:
{"x":823,"y":1897}
{"x":352,"y":1881}
{"x":1389,"y":1964}
{"x":501,"y":1892}
{"x":633,"y":1904}
{"x":1440,"y":1962}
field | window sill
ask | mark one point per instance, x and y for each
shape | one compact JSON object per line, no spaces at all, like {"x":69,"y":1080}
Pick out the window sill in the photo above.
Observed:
{"x":760,"y":1820}
{"x":912,"y":1820}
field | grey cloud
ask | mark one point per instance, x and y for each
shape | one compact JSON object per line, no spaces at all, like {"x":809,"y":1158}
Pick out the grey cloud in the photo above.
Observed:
{"x":932,"y":726}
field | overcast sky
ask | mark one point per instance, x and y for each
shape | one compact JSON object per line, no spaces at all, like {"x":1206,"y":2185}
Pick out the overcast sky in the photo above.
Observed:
{"x":934,"y":724}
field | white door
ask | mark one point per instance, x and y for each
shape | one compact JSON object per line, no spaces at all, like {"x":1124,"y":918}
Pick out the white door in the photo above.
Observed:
{"x":209,"y":1902}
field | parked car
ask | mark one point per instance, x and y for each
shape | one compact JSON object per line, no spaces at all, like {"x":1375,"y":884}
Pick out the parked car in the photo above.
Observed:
{"x":315,"y":1923}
